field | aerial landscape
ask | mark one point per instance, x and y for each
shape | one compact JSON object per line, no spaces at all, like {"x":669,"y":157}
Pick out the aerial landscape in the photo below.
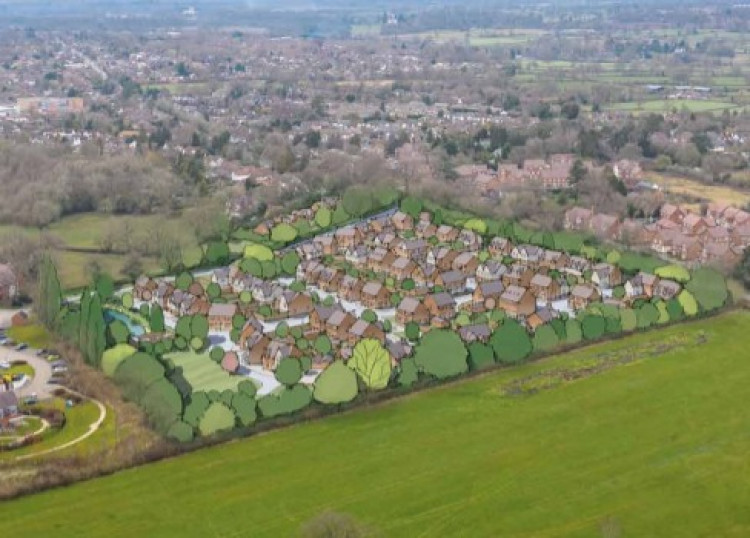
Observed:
{"x":328,"y":269}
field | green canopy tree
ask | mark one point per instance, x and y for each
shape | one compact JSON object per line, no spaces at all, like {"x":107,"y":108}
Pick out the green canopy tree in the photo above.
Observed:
{"x":510,"y":342}
{"x":337,"y":384}
{"x":545,"y":339}
{"x":217,"y":418}
{"x":372,"y":363}
{"x":709,"y":288}
{"x":289,"y":371}
{"x":49,"y":301}
{"x":441,"y":354}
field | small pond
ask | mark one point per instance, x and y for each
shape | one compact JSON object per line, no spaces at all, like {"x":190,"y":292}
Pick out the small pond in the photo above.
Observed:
{"x":135,"y":328}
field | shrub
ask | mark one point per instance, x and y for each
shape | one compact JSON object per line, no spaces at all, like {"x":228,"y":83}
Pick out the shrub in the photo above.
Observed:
{"x":181,"y":432}
{"x":217,"y":418}
{"x":673,"y":272}
{"x":286,"y":401}
{"x":480,"y":356}
{"x":337,"y":384}
{"x":245,"y":408}
{"x":289,"y":371}
{"x":545,"y":339}
{"x":510,"y":342}
{"x":709,"y":288}
{"x":441,"y":354}
{"x":162,"y":404}
{"x":137,"y":373}
{"x":258,"y":252}
{"x":283,"y":233}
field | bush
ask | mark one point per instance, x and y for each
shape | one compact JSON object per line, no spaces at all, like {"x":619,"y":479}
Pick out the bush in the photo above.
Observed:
{"x":573,"y":331}
{"x":258,"y":252}
{"x":181,"y":432}
{"x":286,"y":401}
{"x":217,"y":418}
{"x":673,"y":272}
{"x":137,"y":373}
{"x":709,"y":288}
{"x":480,"y":356}
{"x":118,"y":332}
{"x":283,"y":233}
{"x":245,"y":408}
{"x":593,"y":326}
{"x":441,"y":354}
{"x":289,"y":371}
{"x":372,"y":363}
{"x":510,"y":342}
{"x":162,"y":404}
{"x":337,"y":384}
{"x":411,"y":331}
{"x":112,"y":358}
{"x":408,"y":372}
{"x":545,"y":339}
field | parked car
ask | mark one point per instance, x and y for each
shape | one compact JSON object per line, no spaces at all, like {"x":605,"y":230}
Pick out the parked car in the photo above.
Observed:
{"x":9,"y":342}
{"x":4,"y":365}
{"x":21,"y":347}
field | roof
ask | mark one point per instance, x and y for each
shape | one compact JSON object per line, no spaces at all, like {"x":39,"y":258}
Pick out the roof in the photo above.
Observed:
{"x":514,"y":294}
{"x":491,"y":288}
{"x":443,"y":299}
{"x":222,"y":310}
{"x":359,"y":327}
{"x":541,"y":280}
{"x":409,"y":304}
{"x":372,"y":288}
{"x":583,"y":292}
{"x":481,"y":330}
{"x":452,"y":276}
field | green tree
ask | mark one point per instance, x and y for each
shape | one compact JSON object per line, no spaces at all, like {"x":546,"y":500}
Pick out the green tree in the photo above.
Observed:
{"x":628,"y":319}
{"x":647,"y":315}
{"x":337,"y":384}
{"x":709,"y":288}
{"x":181,"y":432}
{"x":50,"y":293}
{"x":480,"y":356}
{"x":323,"y":217}
{"x":411,"y":331}
{"x":195,"y":410}
{"x":183,"y":281}
{"x":245,"y":408}
{"x":283,"y":233}
{"x":323,"y":344}
{"x":545,"y":339}
{"x":118,"y":332}
{"x":289,"y":263}
{"x":127,"y":300}
{"x":441,"y":354}
{"x":217,"y":253}
{"x":593,"y":326}
{"x":289,"y":371}
{"x":217,"y":418}
{"x":411,"y":206}
{"x":157,"y":319}
{"x":673,"y":272}
{"x":357,"y":201}
{"x":573,"y":331}
{"x":510,"y":342}
{"x":372,"y":362}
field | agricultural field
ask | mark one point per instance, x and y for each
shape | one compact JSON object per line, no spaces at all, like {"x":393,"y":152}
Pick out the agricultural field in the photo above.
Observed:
{"x":667,"y":105}
{"x":609,"y":425}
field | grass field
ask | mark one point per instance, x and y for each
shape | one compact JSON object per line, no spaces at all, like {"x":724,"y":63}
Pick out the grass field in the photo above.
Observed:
{"x":85,"y":231}
{"x":690,"y":187}
{"x":657,"y":447}
{"x":666,"y":105}
{"x":33,"y":335}
{"x":202,"y":373}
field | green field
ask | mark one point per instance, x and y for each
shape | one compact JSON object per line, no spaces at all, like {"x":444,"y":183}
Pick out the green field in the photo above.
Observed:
{"x":202,"y":373}
{"x":666,"y":105}
{"x":34,"y":335}
{"x":84,"y":234}
{"x":654,"y":447}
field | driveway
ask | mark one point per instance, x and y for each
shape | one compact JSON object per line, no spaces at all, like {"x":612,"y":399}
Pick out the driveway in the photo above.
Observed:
{"x":42,"y":372}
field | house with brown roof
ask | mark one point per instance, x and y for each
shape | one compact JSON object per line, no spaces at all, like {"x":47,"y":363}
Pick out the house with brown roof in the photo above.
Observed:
{"x":518,"y":275}
{"x":351,"y":288}
{"x":577,"y":266}
{"x":694,"y":224}
{"x":319,"y":317}
{"x":329,"y":279}
{"x":466,"y":262}
{"x":480,"y":332}
{"x":326,"y":244}
{"x":220,"y":316}
{"x":277,"y":351}
{"x":442,"y":258}
{"x":451,"y":281}
{"x":361,"y":329}
{"x":499,"y":247}
{"x":402,"y":221}
{"x":294,"y":304}
{"x":348,"y":237}
{"x":254,"y":347}
{"x":380,"y":259}
{"x":517,"y":302}
{"x":487,"y":295}
{"x":446,"y":234}
{"x":375,"y":295}
{"x":540,"y":317}
{"x":338,"y":324}
{"x":425,"y":230}
{"x":402,"y":268}
{"x":582,"y":295}
{"x":672,"y":212}
{"x":606,"y":275}
{"x":528,"y":254}
{"x":441,"y":305}
{"x":411,"y":248}
{"x":545,"y":288}
{"x":412,"y":309}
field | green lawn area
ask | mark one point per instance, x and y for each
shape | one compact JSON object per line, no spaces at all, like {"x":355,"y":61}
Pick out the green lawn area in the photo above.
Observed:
{"x":662,"y":105}
{"x":657,"y":447}
{"x":202,"y":373}
{"x":85,"y":231}
{"x":34,"y":335}
{"x":77,"y":422}
{"x":25,"y":369}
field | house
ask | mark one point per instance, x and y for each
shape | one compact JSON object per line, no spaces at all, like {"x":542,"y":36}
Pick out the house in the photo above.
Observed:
{"x":361,"y":329}
{"x":380,"y":259}
{"x":540,"y":317}
{"x":475,"y":333}
{"x":8,"y":404}
{"x":672,"y":212}
{"x":357,"y":256}
{"x":402,"y":221}
{"x":221,"y":277}
{"x":402,"y":268}
{"x":327,"y":244}
{"x":577,"y":266}
{"x":606,"y":227}
{"x":441,"y":305}
{"x":606,"y":275}
{"x":471,"y":240}
{"x":641,"y":285}
{"x":329,"y":280}
{"x":545,"y":288}
{"x":554,"y":260}
{"x":442,"y":258}
{"x":277,"y":351}
{"x":517,"y":302}
{"x":491,"y":270}
{"x":425,"y":230}
{"x":694,"y":224}
{"x":487,"y":295}
{"x":338,"y":325}
{"x":451,"y":281}
{"x":348,"y":237}
{"x":412,"y":309}
{"x":466,"y":262}
{"x":375,"y":295}
{"x":350,"y":288}
{"x":319,"y":317}
{"x":220,"y":316}
{"x":143,"y":290}
{"x":582,"y":295}
{"x":424,"y":274}
{"x":309,"y":250}
{"x":412,"y":248}
{"x":629,"y":172}
{"x":528,"y":254}
{"x":518,"y":275}
{"x":578,"y":218}
{"x":666,"y":289}
{"x":398,"y":351}
{"x":446,"y":234}
{"x":499,"y":247}
{"x":386,"y":239}
{"x":293,"y":304}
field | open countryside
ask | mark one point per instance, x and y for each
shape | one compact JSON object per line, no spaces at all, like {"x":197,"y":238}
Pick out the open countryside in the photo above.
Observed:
{"x":442,"y":461}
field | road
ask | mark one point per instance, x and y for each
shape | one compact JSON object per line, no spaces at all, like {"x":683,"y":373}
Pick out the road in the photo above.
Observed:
{"x":39,"y":384}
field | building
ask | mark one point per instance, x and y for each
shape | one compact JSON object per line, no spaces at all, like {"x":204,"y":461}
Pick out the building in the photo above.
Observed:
{"x":8,"y":404}
{"x":220,"y":316}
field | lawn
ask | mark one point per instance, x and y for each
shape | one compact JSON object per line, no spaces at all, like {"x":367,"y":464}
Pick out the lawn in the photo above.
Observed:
{"x":34,"y":335}
{"x":202,"y":373}
{"x":666,"y":105}
{"x":657,"y":447}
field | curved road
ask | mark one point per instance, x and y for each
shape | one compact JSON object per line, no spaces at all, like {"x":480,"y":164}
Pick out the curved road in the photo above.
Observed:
{"x":39,"y":384}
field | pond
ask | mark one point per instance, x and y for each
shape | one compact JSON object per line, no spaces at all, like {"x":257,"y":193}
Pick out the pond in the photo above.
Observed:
{"x":135,"y":328}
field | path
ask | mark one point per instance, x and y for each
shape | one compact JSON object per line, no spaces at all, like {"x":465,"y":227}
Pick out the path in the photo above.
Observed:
{"x":91,"y":431}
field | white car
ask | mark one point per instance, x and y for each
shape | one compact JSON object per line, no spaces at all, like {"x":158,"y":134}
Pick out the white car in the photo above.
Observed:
{"x":4,"y":365}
